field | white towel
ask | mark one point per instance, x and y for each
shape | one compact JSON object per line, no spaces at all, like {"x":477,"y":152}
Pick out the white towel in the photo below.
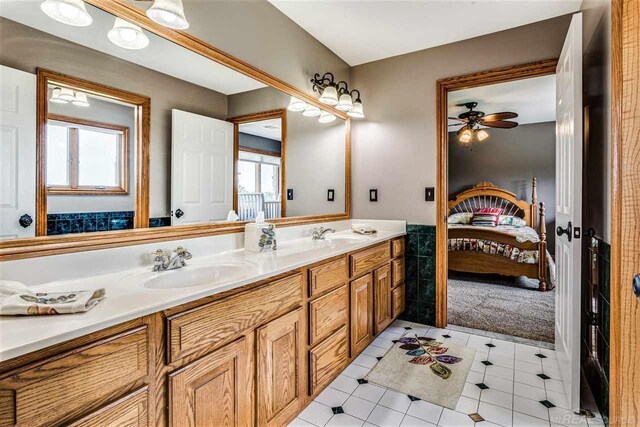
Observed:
{"x":17,"y":299}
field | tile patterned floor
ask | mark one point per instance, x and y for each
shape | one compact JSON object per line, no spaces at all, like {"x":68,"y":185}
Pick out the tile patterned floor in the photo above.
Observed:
{"x":516,"y":386}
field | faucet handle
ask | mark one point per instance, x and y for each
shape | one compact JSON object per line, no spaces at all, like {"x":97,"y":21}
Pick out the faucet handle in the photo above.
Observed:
{"x":182,"y":252}
{"x":160,"y":253}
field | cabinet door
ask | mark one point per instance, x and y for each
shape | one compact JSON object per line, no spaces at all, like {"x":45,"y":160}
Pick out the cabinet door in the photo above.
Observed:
{"x":382,"y":298}
{"x":361,"y":313}
{"x":129,"y":411}
{"x":214,"y":390}
{"x":327,"y":314}
{"x":327,"y":359}
{"x":397,"y":300}
{"x":279,"y":377}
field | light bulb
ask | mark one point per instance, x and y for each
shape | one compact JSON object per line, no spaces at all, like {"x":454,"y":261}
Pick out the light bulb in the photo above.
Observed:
{"x":345,"y":103}
{"x":70,"y":12}
{"x":329,"y":96}
{"x":126,"y":35}
{"x":169,"y":13}
{"x":326,"y":117}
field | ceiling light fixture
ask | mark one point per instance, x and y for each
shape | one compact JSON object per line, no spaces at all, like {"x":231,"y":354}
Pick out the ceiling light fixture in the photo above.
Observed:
{"x":337,"y":94}
{"x":169,"y":13}
{"x":326,"y":117}
{"x":127,"y":35}
{"x":296,"y":104}
{"x":466,"y":136}
{"x":482,"y":134}
{"x":80,"y":100}
{"x":311,"y":111}
{"x":70,"y":12}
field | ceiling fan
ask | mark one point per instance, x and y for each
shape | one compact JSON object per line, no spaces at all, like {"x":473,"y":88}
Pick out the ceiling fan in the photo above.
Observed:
{"x":472,"y":120}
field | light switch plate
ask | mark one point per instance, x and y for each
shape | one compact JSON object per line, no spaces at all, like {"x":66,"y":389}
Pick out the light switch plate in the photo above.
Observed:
{"x":429,"y":194}
{"x":289,"y":193}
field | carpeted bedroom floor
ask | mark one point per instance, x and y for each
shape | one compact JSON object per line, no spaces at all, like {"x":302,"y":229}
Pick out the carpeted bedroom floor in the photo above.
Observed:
{"x":504,"y":305}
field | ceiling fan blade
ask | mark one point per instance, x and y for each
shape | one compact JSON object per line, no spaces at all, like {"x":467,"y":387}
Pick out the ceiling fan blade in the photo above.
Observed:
{"x":457,"y":124}
{"x":456,"y":118}
{"x":500,"y":124}
{"x":499,"y":116}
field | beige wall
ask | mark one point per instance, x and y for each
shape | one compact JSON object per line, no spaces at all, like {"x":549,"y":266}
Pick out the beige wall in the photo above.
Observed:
{"x":394,"y":149}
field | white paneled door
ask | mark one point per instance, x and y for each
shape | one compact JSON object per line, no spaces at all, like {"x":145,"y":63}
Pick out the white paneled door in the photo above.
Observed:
{"x":569,"y":208}
{"x":17,"y":154}
{"x":201,"y":168}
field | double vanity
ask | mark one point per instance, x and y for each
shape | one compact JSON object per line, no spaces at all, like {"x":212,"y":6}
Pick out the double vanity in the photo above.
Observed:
{"x":232,"y":338}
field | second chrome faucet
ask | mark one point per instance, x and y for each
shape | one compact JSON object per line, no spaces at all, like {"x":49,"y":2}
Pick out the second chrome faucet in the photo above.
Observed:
{"x":163,"y":260}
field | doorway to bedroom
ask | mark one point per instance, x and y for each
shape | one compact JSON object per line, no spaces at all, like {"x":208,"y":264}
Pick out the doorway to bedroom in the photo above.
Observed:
{"x":501,"y":187}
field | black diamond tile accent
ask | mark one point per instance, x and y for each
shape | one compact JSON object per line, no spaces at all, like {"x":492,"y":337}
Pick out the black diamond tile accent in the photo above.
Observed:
{"x":490,"y":345}
{"x":486,"y":363}
{"x":547,"y":404}
{"x":412,"y":398}
{"x":482,"y":386}
{"x":379,"y":358}
{"x":541,"y":356}
{"x":408,"y":328}
{"x":337,"y":410}
{"x":476,"y":417}
{"x":394,"y":341}
{"x":446,"y":336}
{"x":544,"y":376}
{"x":362,"y":381}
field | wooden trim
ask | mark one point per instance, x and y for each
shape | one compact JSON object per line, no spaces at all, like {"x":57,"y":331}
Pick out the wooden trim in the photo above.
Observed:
{"x":141,"y":105}
{"x":443,"y":87}
{"x":624,"y":407}
{"x":74,"y":188}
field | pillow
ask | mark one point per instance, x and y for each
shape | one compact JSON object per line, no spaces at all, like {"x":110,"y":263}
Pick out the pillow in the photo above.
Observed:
{"x":515,"y":221}
{"x":460,"y":218}
{"x":486,"y":217}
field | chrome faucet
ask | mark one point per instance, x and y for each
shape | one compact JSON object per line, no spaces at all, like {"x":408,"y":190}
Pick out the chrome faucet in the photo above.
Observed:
{"x":318,"y":233}
{"x":163,"y":260}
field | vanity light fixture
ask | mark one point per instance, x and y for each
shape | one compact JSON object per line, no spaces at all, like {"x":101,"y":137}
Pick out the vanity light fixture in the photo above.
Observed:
{"x":127,"y":35}
{"x":329,"y":96}
{"x":169,"y":13}
{"x":55,"y":96}
{"x":67,"y":95}
{"x":357,"y":112}
{"x":327,"y":88}
{"x":80,"y":100}
{"x":296,"y":105}
{"x":70,"y":12}
{"x":311,"y":111}
{"x":326,"y":117}
{"x":338,"y":95}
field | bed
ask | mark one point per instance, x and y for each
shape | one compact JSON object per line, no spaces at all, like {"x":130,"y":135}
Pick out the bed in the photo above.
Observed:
{"x":518,"y":249}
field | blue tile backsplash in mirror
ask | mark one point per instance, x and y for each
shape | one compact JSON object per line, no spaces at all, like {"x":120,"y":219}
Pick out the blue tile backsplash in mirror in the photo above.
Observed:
{"x":87,"y":222}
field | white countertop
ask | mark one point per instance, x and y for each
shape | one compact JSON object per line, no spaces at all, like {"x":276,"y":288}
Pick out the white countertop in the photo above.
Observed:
{"x":127,"y":298}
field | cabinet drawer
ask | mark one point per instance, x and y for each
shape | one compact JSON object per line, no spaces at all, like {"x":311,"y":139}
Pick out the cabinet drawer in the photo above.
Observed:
{"x":327,"y":276}
{"x":397,"y":300}
{"x":327,"y":360}
{"x":130,"y":411}
{"x":397,"y":247}
{"x":397,"y":271}
{"x":66,"y":387}
{"x":221,"y":322}
{"x":327,"y":314}
{"x":366,"y":260}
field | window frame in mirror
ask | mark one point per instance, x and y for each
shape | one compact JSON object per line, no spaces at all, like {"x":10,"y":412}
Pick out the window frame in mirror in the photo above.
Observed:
{"x":69,"y":243}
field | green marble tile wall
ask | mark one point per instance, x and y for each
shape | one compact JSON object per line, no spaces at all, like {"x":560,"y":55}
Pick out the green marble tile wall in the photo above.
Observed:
{"x":420,"y":281}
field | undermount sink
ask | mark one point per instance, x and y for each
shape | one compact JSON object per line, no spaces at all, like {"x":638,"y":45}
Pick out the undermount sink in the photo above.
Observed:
{"x":190,"y":276}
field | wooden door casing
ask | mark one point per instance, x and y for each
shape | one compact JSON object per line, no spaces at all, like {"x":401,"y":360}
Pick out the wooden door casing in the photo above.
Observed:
{"x":382,"y":312}
{"x":279,"y":377}
{"x":361,"y":313}
{"x":215,"y":390}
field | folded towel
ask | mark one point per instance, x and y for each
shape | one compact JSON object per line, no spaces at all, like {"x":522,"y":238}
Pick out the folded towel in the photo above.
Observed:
{"x":363,"y":229}
{"x":17,"y":299}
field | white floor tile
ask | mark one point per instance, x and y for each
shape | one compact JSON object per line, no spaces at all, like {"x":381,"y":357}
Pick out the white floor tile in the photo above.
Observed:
{"x":475,"y":377}
{"x":497,"y":383}
{"x":549,"y":363}
{"x":395,"y":400}
{"x":451,"y":418}
{"x":529,"y":357}
{"x":316,"y":414}
{"x":356,"y":371}
{"x":530,"y":407}
{"x":344,"y":420}
{"x":391,"y":335}
{"x":358,"y":407}
{"x":532,"y":368}
{"x":467,"y":405}
{"x":382,"y":343}
{"x":366,"y":361}
{"x":425,"y":411}
{"x":344,"y":383}
{"x":332,"y":397}
{"x":502,"y":344}
{"x":558,"y":399}
{"x":385,"y":417}
{"x":374,"y":351}
{"x":369,"y":392}
{"x":495,"y":414}
{"x":565,"y":417}
{"x":528,"y":391}
{"x":506,"y":362}
{"x":471,"y":390}
{"x":299,"y":422}
{"x":551,"y":354}
{"x":554,"y":385}
{"x":524,"y":348}
{"x":500,"y":371}
{"x":553,"y":373}
{"x":476,"y":366}
{"x":409,"y":421}
{"x":530,"y":379}
{"x":400,"y":323}
{"x":498,"y":398}
{"x":523,"y":420}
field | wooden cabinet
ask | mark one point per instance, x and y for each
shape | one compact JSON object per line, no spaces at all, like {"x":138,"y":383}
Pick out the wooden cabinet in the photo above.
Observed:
{"x":327,"y":314}
{"x":382,"y":298}
{"x":361,"y":313}
{"x":327,"y":276}
{"x":215,"y":390}
{"x":279,"y":377}
{"x":397,"y":247}
{"x":397,"y":271}
{"x":397,"y":300}
{"x":364,"y":261}
{"x":327,"y":359}
{"x":130,"y":411}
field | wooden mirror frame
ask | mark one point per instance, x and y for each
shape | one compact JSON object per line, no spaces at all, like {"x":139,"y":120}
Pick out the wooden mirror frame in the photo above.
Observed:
{"x":54,"y":245}
{"x":142,"y":112}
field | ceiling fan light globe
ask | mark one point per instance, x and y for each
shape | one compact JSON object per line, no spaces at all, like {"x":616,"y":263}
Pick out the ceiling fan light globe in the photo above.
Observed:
{"x":482,"y":135}
{"x":466,"y":136}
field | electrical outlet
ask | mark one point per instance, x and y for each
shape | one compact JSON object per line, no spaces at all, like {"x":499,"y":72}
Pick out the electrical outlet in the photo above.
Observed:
{"x":373,"y":195}
{"x":331,"y":195}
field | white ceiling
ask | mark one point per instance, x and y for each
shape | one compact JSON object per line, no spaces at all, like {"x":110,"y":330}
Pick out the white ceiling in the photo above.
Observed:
{"x":361,"y":31}
{"x":533,"y":99}
{"x":161,"y":55}
{"x":271,"y":129}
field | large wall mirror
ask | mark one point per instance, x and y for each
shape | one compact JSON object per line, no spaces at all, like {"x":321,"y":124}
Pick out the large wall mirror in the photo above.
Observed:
{"x":105,"y":132}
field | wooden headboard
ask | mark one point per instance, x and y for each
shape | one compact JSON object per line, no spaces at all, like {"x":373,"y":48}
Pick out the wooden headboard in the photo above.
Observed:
{"x":487,"y":195}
